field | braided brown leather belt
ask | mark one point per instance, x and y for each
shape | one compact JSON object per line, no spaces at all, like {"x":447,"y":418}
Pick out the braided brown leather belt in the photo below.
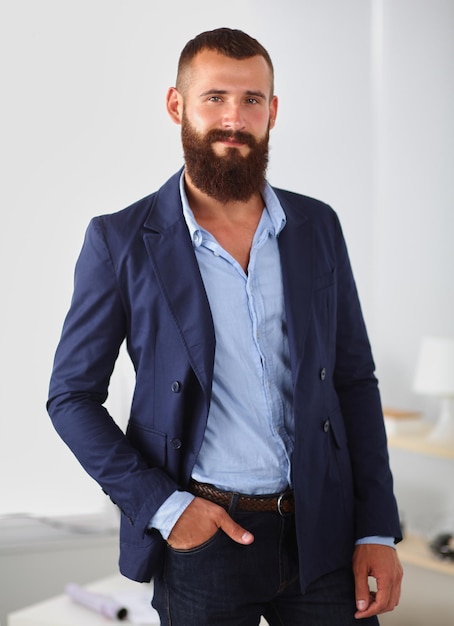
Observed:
{"x":282,"y":503}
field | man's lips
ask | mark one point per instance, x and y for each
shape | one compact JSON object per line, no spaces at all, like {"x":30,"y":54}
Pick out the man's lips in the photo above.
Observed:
{"x":232,"y":142}
{"x":235,"y":140}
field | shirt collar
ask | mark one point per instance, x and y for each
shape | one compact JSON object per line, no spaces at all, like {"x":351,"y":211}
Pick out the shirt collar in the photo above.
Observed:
{"x":272,"y":206}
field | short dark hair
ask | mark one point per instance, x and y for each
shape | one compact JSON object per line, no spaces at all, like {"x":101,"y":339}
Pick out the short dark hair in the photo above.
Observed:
{"x":230,"y":42}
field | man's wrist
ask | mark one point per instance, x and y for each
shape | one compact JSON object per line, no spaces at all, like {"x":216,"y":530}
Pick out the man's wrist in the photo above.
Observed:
{"x":168,"y":513}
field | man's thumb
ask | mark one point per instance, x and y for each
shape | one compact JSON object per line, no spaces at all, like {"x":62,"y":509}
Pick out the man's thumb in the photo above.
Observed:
{"x":361,"y":605}
{"x":237,"y":532}
{"x":362,"y":595}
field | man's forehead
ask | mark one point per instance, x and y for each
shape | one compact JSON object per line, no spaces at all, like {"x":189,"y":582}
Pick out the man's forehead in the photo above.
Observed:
{"x":209,"y":65}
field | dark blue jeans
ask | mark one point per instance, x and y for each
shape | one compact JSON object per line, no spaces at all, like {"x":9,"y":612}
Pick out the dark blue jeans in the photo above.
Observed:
{"x":225,"y":583}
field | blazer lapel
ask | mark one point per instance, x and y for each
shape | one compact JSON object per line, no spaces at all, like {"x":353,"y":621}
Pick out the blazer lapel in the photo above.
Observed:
{"x":171,"y":252}
{"x":296,"y":243}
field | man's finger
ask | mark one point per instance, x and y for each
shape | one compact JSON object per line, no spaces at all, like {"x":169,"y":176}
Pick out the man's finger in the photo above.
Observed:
{"x":235,"y":531}
{"x":362,"y":593}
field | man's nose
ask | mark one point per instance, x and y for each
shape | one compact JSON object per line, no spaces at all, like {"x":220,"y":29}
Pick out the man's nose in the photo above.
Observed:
{"x":232,"y":118}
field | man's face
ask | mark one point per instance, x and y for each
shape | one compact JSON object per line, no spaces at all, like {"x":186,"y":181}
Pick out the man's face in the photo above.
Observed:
{"x":226,"y":110}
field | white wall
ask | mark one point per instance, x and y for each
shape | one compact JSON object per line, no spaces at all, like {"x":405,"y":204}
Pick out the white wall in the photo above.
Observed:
{"x":84,"y":131}
{"x":414,"y":206}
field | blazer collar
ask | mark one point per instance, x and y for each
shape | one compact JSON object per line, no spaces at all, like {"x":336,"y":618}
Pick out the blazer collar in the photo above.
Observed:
{"x":166,"y":207}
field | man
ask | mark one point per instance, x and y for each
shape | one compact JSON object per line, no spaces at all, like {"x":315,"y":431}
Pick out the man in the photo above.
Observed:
{"x":254,"y":469}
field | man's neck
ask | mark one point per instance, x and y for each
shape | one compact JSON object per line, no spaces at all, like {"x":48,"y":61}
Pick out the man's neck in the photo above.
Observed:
{"x":233,"y":224}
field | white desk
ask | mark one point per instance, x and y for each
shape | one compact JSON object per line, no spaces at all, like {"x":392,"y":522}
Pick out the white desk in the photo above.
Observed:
{"x":62,"y":611}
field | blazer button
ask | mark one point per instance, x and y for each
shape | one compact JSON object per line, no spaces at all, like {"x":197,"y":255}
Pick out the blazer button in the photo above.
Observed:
{"x":323,"y":373}
{"x":326,"y":426}
{"x":176,"y":386}
{"x":176,"y":444}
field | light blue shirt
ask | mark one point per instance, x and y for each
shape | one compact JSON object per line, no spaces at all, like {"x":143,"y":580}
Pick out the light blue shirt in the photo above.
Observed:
{"x":248,"y":442}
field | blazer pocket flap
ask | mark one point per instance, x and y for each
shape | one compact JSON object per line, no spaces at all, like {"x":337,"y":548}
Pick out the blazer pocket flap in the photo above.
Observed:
{"x":149,"y":442}
{"x":338,"y":428}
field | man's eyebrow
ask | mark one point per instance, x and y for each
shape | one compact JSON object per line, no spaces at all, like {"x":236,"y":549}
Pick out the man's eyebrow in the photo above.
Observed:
{"x":214,"y":92}
{"x":223,"y":92}
{"x":257,"y":94}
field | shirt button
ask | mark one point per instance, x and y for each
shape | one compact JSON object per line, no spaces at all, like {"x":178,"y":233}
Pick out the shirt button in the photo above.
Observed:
{"x":323,"y":373}
{"x":176,"y":386}
{"x":326,"y":426}
{"x":176,"y":444}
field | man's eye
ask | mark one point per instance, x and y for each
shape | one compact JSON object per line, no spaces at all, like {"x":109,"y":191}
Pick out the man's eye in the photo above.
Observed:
{"x":215,"y":99}
{"x":252,"y":101}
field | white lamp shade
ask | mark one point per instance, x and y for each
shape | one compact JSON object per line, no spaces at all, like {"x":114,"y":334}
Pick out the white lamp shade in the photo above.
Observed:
{"x":435,"y":367}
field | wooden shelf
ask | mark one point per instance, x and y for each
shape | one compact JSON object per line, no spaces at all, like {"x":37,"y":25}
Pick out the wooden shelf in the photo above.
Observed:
{"x":420,"y":444}
{"x":415,"y":551}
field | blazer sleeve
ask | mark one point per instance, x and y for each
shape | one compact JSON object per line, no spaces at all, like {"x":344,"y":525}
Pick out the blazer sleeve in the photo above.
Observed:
{"x":93,"y":332}
{"x":357,"y":389}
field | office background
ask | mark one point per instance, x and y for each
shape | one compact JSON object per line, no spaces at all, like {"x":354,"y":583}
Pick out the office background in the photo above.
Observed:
{"x":365,"y":123}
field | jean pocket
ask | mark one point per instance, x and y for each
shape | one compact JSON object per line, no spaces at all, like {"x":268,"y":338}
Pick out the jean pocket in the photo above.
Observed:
{"x":197,"y":549}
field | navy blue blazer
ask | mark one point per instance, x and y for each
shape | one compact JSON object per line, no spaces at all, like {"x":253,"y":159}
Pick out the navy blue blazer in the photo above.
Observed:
{"x":137,"y":279}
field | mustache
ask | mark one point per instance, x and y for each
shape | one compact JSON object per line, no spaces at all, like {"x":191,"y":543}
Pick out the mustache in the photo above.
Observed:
{"x":218,"y":134}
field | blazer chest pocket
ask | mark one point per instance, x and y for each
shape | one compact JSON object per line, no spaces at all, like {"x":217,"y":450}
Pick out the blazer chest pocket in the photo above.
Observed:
{"x":327,"y":279}
{"x":150,"y":443}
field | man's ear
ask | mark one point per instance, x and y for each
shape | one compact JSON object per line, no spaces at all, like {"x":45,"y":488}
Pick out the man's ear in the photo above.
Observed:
{"x":174,"y":104}
{"x":273,"y":111}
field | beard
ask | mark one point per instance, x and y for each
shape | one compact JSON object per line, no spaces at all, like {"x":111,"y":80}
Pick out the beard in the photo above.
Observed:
{"x":232,"y":176}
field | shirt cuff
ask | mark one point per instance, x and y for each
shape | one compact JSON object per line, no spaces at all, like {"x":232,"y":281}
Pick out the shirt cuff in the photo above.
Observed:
{"x":382,"y":541}
{"x":170,"y":510}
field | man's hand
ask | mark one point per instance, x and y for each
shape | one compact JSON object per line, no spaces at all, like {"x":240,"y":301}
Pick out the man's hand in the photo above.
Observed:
{"x":200,"y":521}
{"x":382,"y":563}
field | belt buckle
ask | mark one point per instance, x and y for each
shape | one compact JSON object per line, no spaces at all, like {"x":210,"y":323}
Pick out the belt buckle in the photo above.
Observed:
{"x":280,"y":502}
